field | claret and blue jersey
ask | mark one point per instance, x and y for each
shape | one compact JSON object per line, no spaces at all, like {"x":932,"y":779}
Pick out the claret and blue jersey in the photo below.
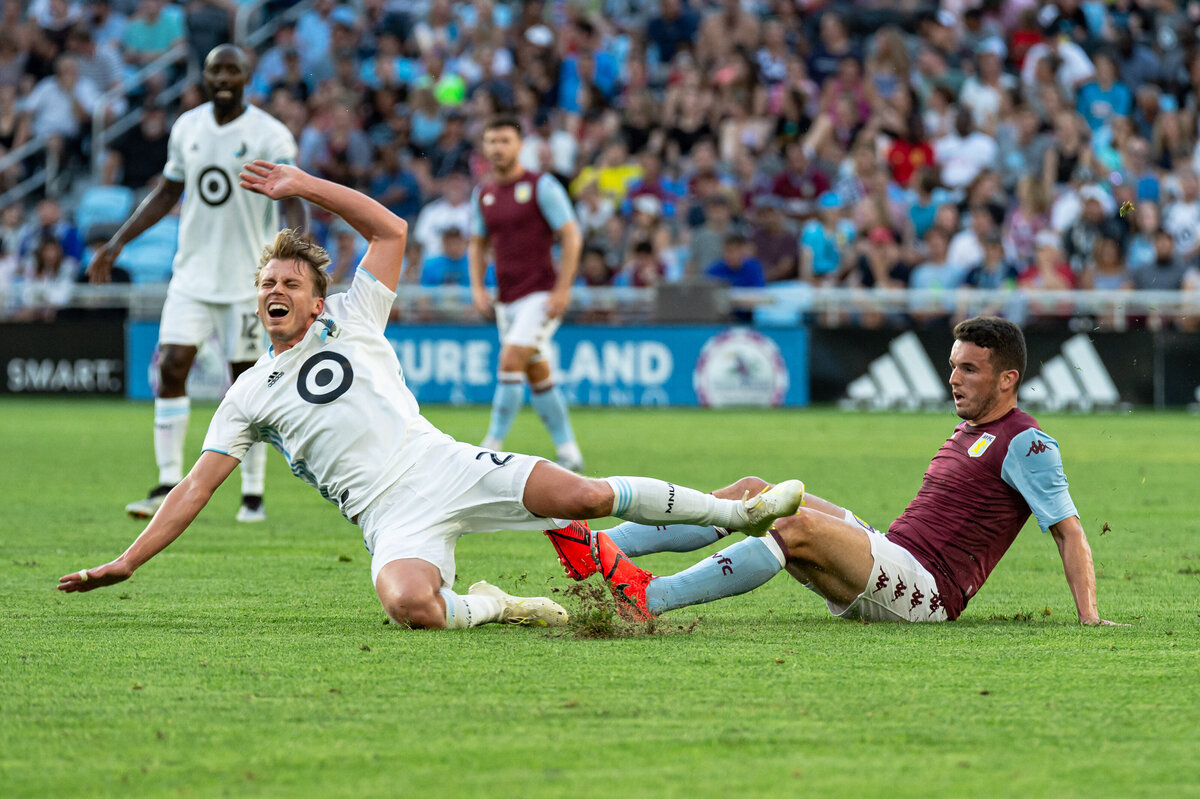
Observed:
{"x":976,"y":496}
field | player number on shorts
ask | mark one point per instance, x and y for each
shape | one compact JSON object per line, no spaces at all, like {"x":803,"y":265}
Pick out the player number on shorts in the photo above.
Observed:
{"x":250,"y":328}
{"x":324,"y":377}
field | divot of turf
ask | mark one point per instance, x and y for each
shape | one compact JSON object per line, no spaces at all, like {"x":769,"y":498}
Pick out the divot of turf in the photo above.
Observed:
{"x":596,"y":616}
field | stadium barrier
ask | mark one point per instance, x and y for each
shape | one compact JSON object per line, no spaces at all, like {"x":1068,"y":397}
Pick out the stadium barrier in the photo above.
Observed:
{"x":84,"y":357}
{"x":707,"y":365}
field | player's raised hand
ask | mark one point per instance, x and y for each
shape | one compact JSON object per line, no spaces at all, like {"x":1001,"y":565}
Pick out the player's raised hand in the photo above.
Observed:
{"x":87,"y":579}
{"x":100,"y":269}
{"x":277,"y":181}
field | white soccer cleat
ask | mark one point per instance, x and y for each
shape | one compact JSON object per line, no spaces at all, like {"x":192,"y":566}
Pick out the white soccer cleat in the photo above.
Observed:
{"x":763,"y":509}
{"x":535,"y":611}
{"x":146,"y":508}
{"x":252,"y":510}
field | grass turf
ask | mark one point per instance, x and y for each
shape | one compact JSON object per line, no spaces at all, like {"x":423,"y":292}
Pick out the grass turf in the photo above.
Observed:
{"x":255,"y":661}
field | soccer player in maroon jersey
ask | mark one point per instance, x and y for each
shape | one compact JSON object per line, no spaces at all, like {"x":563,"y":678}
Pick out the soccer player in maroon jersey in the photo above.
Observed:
{"x":518,"y":213}
{"x":978,"y":491}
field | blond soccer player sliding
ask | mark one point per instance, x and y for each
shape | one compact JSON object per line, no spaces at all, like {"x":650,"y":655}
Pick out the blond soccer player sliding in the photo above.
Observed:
{"x":330,"y":396}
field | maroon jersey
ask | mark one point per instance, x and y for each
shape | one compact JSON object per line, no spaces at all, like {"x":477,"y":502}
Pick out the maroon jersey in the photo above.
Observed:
{"x":521,"y":236}
{"x":975,"y":498}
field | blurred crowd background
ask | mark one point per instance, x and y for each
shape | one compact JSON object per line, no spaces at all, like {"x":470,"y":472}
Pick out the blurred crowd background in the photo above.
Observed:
{"x":971,"y":143}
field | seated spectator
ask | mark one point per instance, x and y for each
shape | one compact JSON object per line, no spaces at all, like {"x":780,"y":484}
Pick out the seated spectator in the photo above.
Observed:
{"x":773,"y":243}
{"x":1107,"y":271}
{"x":49,"y":222}
{"x":1167,"y":271}
{"x":594,"y":269}
{"x":1030,"y":217}
{"x":996,"y":270}
{"x":450,"y":268}
{"x":46,"y":281}
{"x":880,"y":263}
{"x":137,"y":158}
{"x":106,"y":25}
{"x":59,"y":107}
{"x":593,"y":210}
{"x":1095,"y":222}
{"x":704,"y":246}
{"x":153,"y":30}
{"x":1181,"y":218}
{"x":1141,"y":251}
{"x":823,"y":242}
{"x":964,"y":153}
{"x":644,"y":270}
{"x":393,"y":185}
{"x":738,"y":267}
{"x":937,"y":275}
{"x":1049,"y":269}
{"x":966,"y":246}
{"x":613,"y":173}
{"x":1104,"y":97}
{"x":451,"y":210}
{"x":101,"y":65}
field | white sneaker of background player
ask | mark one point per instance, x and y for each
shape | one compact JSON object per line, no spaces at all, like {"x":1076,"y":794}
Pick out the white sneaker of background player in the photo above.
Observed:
{"x":763,"y":509}
{"x":248,"y":514}
{"x":536,"y":611}
{"x":569,"y":457}
{"x":146,"y":508}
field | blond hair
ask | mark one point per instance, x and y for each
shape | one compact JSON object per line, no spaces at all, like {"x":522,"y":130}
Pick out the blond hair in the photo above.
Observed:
{"x":290,"y":245}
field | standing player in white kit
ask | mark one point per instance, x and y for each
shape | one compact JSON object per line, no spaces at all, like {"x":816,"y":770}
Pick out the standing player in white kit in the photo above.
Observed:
{"x":221,"y":233}
{"x":330,"y":396}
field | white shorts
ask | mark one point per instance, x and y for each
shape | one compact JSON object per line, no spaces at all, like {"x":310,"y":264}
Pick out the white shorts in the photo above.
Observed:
{"x":458,"y":489}
{"x":189,"y":322}
{"x":900,"y":588}
{"x":524,"y":323}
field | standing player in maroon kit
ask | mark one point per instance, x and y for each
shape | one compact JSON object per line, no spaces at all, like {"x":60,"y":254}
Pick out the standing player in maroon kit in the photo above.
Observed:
{"x":518,"y":213}
{"x":977,"y":493}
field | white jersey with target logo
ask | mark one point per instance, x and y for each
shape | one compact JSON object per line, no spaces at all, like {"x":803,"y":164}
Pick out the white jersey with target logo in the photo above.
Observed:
{"x":223,"y":228}
{"x":335,"y":405}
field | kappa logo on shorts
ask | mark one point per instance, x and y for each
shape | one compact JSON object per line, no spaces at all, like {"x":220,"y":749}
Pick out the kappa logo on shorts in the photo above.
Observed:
{"x":900,"y":589}
{"x":935,"y":603}
{"x":882,"y":581}
{"x":917,"y":596}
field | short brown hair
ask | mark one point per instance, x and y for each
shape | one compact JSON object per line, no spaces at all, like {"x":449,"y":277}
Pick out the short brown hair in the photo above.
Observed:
{"x":503,"y":121}
{"x":290,"y":245}
{"x":1003,"y":339}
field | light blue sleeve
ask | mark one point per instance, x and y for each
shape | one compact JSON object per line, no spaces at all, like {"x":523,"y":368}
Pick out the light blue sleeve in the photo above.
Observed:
{"x":554,"y":203}
{"x":1033,"y":466}
{"x":478,"y":228}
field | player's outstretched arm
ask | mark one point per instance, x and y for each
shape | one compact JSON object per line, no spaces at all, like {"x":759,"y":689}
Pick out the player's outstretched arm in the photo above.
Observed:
{"x":180,"y":508}
{"x":1077,"y":563}
{"x":386,"y":233}
{"x":157,"y":204}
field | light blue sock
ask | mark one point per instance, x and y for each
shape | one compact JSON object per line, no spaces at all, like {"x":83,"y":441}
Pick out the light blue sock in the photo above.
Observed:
{"x":645,"y":539}
{"x":551,"y":406}
{"x":734,"y":570}
{"x":506,"y":403}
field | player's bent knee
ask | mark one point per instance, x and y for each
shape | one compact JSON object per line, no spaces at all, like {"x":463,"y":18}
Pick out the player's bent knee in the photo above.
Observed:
{"x":418,"y":610}
{"x":591,"y":499}
{"x":798,"y":533}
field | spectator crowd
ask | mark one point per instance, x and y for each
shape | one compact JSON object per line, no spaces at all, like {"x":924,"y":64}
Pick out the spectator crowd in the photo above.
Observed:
{"x":883,"y":143}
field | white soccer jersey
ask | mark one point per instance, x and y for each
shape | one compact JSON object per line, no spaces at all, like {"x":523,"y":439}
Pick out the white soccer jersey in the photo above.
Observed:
{"x":335,"y":405}
{"x":223,"y":228}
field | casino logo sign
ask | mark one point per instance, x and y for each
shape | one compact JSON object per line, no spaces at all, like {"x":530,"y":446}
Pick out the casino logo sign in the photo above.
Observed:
{"x":740,"y":367}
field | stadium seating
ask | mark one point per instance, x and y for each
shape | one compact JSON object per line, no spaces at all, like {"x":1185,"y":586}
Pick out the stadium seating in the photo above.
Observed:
{"x":102,"y":205}
{"x":148,"y":257}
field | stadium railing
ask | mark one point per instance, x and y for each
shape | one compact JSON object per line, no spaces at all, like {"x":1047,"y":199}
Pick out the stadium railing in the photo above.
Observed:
{"x":40,"y":177}
{"x":771,"y":306}
{"x":247,"y":13}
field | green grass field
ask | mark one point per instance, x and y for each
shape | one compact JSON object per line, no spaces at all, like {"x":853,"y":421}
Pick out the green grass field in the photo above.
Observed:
{"x":255,"y":661}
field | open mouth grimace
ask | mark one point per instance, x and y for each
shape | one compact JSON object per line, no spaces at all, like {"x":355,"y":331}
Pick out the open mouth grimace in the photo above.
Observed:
{"x":277,"y":310}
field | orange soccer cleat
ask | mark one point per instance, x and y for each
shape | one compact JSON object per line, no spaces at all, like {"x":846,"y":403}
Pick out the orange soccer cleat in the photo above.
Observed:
{"x":573,"y":544}
{"x":626,"y":581}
